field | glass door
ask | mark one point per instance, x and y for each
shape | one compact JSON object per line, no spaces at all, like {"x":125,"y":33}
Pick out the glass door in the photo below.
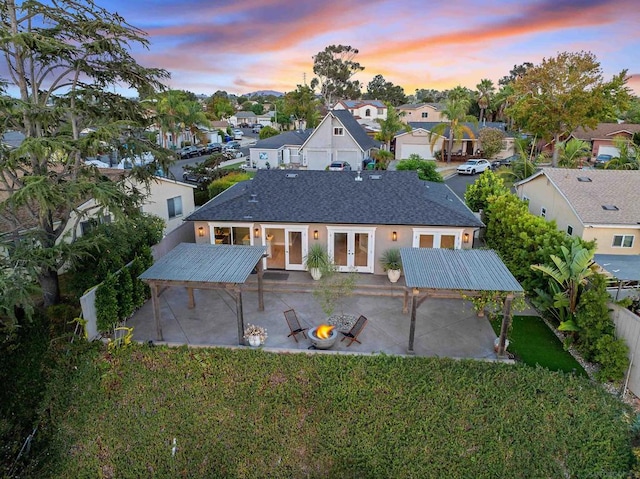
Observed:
{"x":295,"y":248}
{"x":352,"y":249}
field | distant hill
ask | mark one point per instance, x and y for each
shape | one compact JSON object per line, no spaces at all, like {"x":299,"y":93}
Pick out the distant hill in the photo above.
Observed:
{"x":265,"y":93}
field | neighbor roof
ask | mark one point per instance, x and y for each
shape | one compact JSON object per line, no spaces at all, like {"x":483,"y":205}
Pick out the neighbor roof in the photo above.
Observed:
{"x":415,"y":106}
{"x":361,"y":103}
{"x":619,"y":188}
{"x":460,"y":269}
{"x":605,"y":131}
{"x":475,"y":128}
{"x":305,"y":196}
{"x":206,"y":263}
{"x":297,"y":137}
{"x":623,"y":267}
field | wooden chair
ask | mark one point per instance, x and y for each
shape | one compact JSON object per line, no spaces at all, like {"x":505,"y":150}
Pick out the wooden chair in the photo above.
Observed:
{"x":355,"y":330}
{"x":294,"y":324}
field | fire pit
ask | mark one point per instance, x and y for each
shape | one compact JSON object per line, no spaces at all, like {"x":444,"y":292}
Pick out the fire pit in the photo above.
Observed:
{"x":323,"y":336}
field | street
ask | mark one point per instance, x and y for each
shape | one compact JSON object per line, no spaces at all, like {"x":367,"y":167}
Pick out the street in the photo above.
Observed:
{"x":458,"y":183}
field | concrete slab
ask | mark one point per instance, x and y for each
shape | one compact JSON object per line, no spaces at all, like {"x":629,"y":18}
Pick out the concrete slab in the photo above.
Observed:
{"x":444,"y":327}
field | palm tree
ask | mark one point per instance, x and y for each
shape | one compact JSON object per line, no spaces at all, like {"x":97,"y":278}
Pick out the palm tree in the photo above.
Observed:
{"x":524,"y":165}
{"x":485,"y":93}
{"x":567,"y":279}
{"x":170,"y":109}
{"x":628,"y":157}
{"x":193,"y":117}
{"x":390,"y":126}
{"x":572,"y":152}
{"x":456,"y":112}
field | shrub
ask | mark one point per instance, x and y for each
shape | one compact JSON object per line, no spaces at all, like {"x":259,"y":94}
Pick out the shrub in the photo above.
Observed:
{"x":613,"y":356}
{"x":61,"y":318}
{"x":491,"y":140}
{"x":426,"y":169}
{"x":487,"y":185}
{"x":107,"y":304}
{"x":593,"y":316}
{"x":124,"y":292}
{"x":218,"y":186}
{"x":268,"y":132}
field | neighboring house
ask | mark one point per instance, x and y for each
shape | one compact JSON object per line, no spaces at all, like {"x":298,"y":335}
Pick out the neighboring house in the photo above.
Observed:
{"x":356,"y":216}
{"x":423,"y":112}
{"x":604,"y":134}
{"x":601,"y":205}
{"x":338,"y":137}
{"x":243,"y":117}
{"x":418,"y":141}
{"x":280,"y":150}
{"x":366,"y":112}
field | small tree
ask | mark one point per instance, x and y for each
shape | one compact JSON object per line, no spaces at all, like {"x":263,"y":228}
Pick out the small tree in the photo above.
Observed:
{"x":426,"y":169}
{"x":478,"y":193}
{"x":333,"y":288}
{"x":491,"y":140}
{"x":572,"y":153}
{"x":268,"y":132}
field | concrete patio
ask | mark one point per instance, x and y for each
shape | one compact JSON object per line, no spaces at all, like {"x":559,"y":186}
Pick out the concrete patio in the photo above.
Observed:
{"x":444,"y":327}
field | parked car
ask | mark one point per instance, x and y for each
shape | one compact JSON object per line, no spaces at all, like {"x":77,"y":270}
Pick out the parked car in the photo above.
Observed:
{"x":237,"y":134}
{"x":340,"y":166}
{"x":193,"y":177}
{"x":602,"y":160}
{"x":243,"y":125}
{"x":188,"y":152}
{"x":213,"y":147}
{"x":256,"y":128}
{"x":232,"y":145}
{"x":472,"y":167}
{"x":508,"y":160}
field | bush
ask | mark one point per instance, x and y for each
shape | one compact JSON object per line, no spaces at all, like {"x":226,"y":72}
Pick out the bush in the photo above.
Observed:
{"x":124,"y":292}
{"x":426,"y":169}
{"x":61,"y":318}
{"x":613,"y":356}
{"x":593,"y":316}
{"x":218,"y":186}
{"x":487,"y":185}
{"x":107,"y":304}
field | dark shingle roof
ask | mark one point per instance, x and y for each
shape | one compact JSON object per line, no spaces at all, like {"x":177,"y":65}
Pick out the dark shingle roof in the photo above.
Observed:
{"x":385,"y":197}
{"x":355,"y":129}
{"x":297,"y":137}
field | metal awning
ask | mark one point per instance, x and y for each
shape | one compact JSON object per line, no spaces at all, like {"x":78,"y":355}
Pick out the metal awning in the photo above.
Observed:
{"x":620,"y":266}
{"x":206,"y":266}
{"x":435,"y":271}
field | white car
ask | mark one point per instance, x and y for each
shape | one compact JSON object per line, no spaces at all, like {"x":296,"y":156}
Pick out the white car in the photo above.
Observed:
{"x":237,"y":134}
{"x":472,"y":167}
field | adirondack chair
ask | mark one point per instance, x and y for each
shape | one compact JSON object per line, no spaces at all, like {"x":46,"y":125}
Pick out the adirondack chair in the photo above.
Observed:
{"x":294,"y":324}
{"x":355,"y":330}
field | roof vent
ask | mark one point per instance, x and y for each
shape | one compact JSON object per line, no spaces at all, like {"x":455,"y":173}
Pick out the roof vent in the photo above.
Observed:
{"x":358,"y":177}
{"x":375,"y":177}
{"x":247,"y":217}
{"x":254,"y":198}
{"x":610,"y":207}
{"x":291,"y":175}
{"x":584,"y":179}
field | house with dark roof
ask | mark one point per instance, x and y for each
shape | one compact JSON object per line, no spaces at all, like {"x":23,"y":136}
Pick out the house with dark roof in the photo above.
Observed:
{"x":280,"y":150}
{"x":366,"y":112}
{"x":601,"y":205}
{"x":604,"y":135}
{"x":338,"y":137}
{"x":355,"y":215}
{"x":418,"y":140}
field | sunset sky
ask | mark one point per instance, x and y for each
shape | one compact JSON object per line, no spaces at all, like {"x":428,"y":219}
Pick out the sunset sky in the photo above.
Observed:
{"x":249,"y":45}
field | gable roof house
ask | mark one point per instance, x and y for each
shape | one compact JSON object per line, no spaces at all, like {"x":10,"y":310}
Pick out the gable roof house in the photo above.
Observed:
{"x":364,"y":111}
{"x":354,"y":215}
{"x":418,"y":141}
{"x":422,"y":112}
{"x":604,"y":135}
{"x":280,"y":150}
{"x":338,"y":137}
{"x":601,"y":205}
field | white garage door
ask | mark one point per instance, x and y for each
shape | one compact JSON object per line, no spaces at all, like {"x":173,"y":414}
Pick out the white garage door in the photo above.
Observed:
{"x":350,"y":156}
{"x":423,"y":150}
{"x":317,"y":159}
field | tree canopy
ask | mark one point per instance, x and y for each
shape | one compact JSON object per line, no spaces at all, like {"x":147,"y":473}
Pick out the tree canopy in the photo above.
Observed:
{"x":66,"y":59}
{"x":566,"y":92}
{"x":380,"y":89}
{"x":335,"y":67}
{"x":303,"y":105}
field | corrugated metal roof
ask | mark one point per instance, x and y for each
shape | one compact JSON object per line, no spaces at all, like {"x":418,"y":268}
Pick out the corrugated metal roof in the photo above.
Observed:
{"x":620,"y":266}
{"x":207,"y":263}
{"x":460,"y":269}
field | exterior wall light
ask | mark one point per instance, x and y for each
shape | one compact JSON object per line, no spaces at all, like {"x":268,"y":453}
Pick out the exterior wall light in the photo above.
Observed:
{"x":201,"y":231}
{"x":256,"y":233}
{"x":394,"y":236}
{"x":465,"y":238}
{"x":315,"y":234}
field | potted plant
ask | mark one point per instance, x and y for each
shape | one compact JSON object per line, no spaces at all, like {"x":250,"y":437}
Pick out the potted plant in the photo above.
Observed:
{"x":391,"y":261}
{"x":316,"y":261}
{"x":255,"y":335}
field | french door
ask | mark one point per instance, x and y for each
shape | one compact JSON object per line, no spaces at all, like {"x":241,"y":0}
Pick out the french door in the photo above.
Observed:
{"x":352,"y":248}
{"x":286,"y":246}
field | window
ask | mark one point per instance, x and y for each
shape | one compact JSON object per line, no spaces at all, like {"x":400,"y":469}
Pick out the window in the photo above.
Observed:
{"x":569,"y":230}
{"x":338,"y":131}
{"x":525,"y":198}
{"x":425,"y":114}
{"x":622,"y":241}
{"x":87,"y":226}
{"x":174,"y":205}
{"x":380,"y":111}
{"x":543,"y":212}
{"x":367,"y":112}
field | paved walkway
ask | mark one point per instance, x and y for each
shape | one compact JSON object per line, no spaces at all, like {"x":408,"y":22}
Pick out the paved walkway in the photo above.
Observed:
{"x":444,"y":327}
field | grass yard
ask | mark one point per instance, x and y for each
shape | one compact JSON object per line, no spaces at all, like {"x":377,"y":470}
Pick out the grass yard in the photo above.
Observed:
{"x":248,"y":413}
{"x":534,"y":343}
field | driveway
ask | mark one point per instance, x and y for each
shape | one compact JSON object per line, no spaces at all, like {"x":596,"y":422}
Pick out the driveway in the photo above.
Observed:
{"x":444,"y":327}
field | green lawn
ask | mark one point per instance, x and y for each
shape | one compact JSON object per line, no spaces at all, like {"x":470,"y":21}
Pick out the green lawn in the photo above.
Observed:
{"x":534,"y":343}
{"x":248,"y":413}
